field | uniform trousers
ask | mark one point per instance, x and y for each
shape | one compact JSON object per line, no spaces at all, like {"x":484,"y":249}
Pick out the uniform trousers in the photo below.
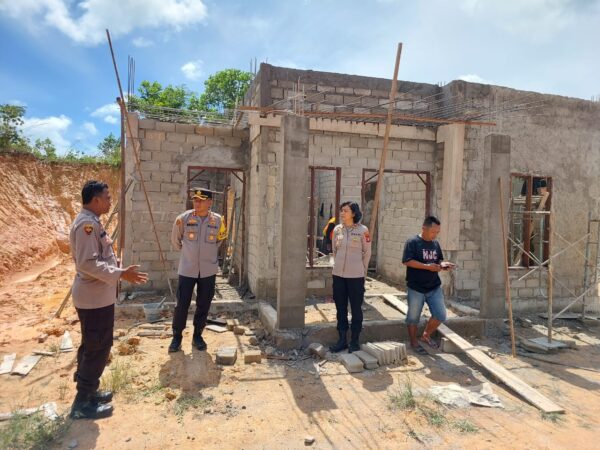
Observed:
{"x":352,"y":290}
{"x":96,"y":341}
{"x":205,"y":292}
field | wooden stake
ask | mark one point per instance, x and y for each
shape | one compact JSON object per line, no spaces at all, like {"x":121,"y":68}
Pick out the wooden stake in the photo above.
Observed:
{"x":386,"y":138}
{"x":506,"y":277}
{"x":550,"y":278}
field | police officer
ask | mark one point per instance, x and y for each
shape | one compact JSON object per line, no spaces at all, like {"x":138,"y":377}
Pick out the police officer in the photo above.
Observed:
{"x":197,"y":233}
{"x":351,"y":253}
{"x":94,"y":293}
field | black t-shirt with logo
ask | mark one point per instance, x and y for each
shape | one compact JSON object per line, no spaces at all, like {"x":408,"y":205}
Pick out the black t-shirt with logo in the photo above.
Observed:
{"x":424,"y":252}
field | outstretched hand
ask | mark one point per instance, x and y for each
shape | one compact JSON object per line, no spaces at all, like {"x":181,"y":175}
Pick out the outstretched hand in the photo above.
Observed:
{"x":132,"y":275}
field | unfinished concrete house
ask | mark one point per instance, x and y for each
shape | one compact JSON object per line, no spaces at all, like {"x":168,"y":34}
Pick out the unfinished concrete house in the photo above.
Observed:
{"x":304,"y":141}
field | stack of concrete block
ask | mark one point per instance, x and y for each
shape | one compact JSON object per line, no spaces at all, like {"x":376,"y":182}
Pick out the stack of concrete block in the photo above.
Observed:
{"x":369,"y":361}
{"x":352,"y":363}
{"x":387,"y":352}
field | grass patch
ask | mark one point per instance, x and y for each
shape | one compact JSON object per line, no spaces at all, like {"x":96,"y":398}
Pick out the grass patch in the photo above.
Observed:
{"x":404,"y":399}
{"x":63,"y":388}
{"x":118,"y":377}
{"x":156,"y":388}
{"x":553,"y":417}
{"x":465,"y":426}
{"x":32,"y":432}
{"x":435,"y":416}
{"x":188,"y":401}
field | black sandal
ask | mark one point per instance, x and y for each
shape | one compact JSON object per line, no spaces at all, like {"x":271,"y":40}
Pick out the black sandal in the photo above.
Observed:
{"x":419,"y":350}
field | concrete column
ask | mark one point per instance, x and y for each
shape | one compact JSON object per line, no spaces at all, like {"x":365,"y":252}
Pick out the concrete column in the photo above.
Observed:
{"x":132,"y":172}
{"x":293,"y":222}
{"x":496,"y":166}
{"x":453,"y":138}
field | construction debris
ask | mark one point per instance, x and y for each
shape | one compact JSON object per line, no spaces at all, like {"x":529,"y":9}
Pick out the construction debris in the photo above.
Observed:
{"x":317,"y":349}
{"x":26,"y":364}
{"x":66,"y":343}
{"x":461,"y":397}
{"x":252,"y":356}
{"x":226,"y":356}
{"x":216,"y":328}
{"x":7,"y":363}
{"x":369,"y":361}
{"x":386,"y":352}
{"x":49,"y":410}
{"x":352,"y":363}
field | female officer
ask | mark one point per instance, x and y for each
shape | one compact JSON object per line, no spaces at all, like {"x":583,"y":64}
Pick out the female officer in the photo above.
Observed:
{"x":351,"y":252}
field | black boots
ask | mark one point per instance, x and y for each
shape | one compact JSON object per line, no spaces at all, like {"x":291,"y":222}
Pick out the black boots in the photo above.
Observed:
{"x":341,"y":344}
{"x":354,"y":345}
{"x":102,"y":397}
{"x":175,"y":345}
{"x":198,"y":342}
{"x":87,"y":407}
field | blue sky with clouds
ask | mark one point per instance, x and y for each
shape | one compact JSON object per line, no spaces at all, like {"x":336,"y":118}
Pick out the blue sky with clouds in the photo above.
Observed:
{"x":55,"y":59}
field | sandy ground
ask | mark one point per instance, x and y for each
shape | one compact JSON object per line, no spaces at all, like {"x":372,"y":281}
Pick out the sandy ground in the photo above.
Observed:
{"x":278,"y":403}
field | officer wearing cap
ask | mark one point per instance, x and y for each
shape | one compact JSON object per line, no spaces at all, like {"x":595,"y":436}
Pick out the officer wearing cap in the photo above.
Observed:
{"x":94,"y":293}
{"x":197,"y":233}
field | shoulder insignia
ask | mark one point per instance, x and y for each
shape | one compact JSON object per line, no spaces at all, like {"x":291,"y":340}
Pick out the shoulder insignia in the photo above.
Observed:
{"x":88,"y":228}
{"x":367,"y":236}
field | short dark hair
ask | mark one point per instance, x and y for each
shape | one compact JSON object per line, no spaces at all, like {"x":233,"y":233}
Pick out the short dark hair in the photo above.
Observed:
{"x":430,"y":220}
{"x":91,"y":189}
{"x":355,"y":209}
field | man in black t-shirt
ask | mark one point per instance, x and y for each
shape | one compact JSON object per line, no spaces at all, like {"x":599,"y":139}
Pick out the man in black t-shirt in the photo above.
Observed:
{"x":423,"y":259}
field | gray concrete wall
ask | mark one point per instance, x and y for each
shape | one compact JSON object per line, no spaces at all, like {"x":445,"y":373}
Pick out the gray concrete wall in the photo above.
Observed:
{"x":166,"y":152}
{"x":561,"y":139}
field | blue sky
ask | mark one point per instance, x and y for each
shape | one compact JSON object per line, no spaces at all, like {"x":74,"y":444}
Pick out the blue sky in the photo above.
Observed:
{"x":55,"y":59}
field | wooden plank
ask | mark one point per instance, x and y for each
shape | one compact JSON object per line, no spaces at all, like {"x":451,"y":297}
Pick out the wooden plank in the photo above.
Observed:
{"x":26,"y":364}
{"x":7,"y":363}
{"x":520,"y":387}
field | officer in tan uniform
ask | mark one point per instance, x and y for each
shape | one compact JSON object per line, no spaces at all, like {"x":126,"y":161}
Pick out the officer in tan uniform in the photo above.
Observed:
{"x":197,"y":233}
{"x":351,"y":255}
{"x":94,"y":293}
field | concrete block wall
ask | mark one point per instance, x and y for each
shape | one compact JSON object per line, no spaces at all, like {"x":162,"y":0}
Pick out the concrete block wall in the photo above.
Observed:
{"x":166,"y":151}
{"x":401,"y":216}
{"x":541,"y":139}
{"x":325,"y":195}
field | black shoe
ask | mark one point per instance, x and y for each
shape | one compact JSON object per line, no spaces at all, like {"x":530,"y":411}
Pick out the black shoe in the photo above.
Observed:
{"x":102,"y":396}
{"x":341,"y":344}
{"x":175,"y":345}
{"x":354,"y":346}
{"x":198,"y":342}
{"x":90,"y":410}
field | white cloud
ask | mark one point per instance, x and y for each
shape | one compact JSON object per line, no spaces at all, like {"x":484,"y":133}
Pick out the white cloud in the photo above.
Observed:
{"x":52,"y":127}
{"x":86,"y":22}
{"x":90,"y":128}
{"x":192,"y":70}
{"x":142,"y":42}
{"x":110,"y":113}
{"x":473,"y":78}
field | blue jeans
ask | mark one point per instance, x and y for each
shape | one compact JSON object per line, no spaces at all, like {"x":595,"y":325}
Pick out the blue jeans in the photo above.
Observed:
{"x":416,"y":300}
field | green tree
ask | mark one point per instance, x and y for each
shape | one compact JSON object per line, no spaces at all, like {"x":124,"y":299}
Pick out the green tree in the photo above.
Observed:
{"x":222,"y":90}
{"x":44,"y":149}
{"x":153,"y":94}
{"x":11,"y":118}
{"x":110,"y":149}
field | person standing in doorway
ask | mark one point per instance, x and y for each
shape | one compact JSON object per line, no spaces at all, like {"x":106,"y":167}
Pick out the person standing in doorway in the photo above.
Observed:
{"x":423,"y":259}
{"x":351,"y":253}
{"x":94,"y":294}
{"x":197,"y":233}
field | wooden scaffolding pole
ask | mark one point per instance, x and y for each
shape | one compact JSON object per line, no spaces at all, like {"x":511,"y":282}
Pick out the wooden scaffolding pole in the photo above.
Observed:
{"x":506,"y":277}
{"x":386,"y":138}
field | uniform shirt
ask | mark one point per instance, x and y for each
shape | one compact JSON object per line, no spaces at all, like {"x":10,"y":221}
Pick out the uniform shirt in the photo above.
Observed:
{"x":97,"y":272}
{"x":418,"y":249}
{"x":198,"y":239}
{"x":351,"y":251}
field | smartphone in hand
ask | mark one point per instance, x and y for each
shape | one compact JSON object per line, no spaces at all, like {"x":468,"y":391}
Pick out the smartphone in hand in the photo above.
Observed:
{"x":447,"y":265}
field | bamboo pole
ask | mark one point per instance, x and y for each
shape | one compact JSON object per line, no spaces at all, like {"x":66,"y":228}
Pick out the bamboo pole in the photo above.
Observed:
{"x":386,"y":139}
{"x":550,"y":279}
{"x":506,"y":277}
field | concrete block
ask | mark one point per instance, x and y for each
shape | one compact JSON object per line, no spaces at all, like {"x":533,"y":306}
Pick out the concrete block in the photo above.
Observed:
{"x":176,"y":137}
{"x":448,"y":346}
{"x":374,"y":351}
{"x":268,"y":316}
{"x":232,"y":323}
{"x":147,"y":124}
{"x":226,"y":356}
{"x":185,"y":128}
{"x":156,"y":135}
{"x":165,"y":126}
{"x":239,"y":329}
{"x":387,"y":352}
{"x":369,"y":361}
{"x":204,"y":131}
{"x":351,"y":362}
{"x":317,"y":349}
{"x":252,"y":356}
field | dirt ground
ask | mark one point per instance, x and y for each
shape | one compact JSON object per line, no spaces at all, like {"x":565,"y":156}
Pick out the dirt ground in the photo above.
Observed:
{"x":185,"y":400}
